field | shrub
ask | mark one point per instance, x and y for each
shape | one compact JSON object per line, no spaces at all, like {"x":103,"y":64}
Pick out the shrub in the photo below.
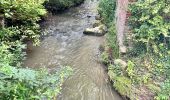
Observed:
{"x":22,"y":10}
{"x":123,"y":85}
{"x":18,"y":83}
{"x":21,"y":84}
{"x":58,"y":5}
{"x":107,"y":11}
{"x":21,"y":18}
{"x":148,"y":55}
{"x":150,"y":23}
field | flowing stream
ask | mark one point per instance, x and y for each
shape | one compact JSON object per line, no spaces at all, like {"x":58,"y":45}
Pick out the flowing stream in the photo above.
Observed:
{"x":65,"y":45}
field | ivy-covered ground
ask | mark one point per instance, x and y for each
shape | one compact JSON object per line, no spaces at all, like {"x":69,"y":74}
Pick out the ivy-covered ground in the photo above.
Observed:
{"x":143,"y":72}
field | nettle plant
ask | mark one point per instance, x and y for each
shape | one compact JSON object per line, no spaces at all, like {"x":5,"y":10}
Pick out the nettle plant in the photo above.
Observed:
{"x":150,"y":23}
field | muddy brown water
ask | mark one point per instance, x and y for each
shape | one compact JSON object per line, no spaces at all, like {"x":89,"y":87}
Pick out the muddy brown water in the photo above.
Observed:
{"x":65,"y":45}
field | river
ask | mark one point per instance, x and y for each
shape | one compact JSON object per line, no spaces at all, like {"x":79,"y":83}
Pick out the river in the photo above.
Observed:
{"x":65,"y":45}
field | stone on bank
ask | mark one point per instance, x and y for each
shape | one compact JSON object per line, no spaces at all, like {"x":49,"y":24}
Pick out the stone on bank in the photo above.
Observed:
{"x":97,"y":31}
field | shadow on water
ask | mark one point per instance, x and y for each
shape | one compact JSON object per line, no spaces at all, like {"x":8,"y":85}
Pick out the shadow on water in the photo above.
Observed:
{"x":65,"y":44}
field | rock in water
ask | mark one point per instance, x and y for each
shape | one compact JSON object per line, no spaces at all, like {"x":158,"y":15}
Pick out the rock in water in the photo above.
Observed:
{"x":96,"y":23}
{"x":97,"y":17}
{"x":93,"y":31}
{"x":103,"y":27}
{"x":97,"y":31}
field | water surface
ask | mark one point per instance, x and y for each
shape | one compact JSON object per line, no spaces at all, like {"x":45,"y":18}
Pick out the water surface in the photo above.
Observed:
{"x":65,"y":44}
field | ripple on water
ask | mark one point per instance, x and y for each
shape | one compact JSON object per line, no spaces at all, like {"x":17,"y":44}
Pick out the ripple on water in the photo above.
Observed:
{"x":66,"y":45}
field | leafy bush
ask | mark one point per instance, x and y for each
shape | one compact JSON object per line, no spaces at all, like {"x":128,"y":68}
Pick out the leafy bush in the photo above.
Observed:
{"x":22,"y":83}
{"x":23,"y":10}
{"x":22,"y":17}
{"x":123,"y":85}
{"x":58,"y":5}
{"x":150,"y":23}
{"x":11,"y":53}
{"x":147,"y":72}
{"x":107,"y":11}
{"x":17,"y":83}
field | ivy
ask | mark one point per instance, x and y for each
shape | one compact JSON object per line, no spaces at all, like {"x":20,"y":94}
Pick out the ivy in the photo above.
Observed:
{"x":150,"y":23}
{"x":107,"y":11}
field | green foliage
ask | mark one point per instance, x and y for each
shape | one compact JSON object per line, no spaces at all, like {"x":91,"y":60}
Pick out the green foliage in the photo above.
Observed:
{"x":150,"y":23}
{"x":20,"y":33}
{"x":138,"y":49}
{"x":112,"y":42}
{"x":22,"y":9}
{"x":123,"y":85}
{"x":105,"y":57}
{"x":165,"y":93}
{"x":22,"y":17}
{"x":130,"y":69}
{"x":148,"y":56}
{"x":57,"y":5}
{"x":154,"y":88}
{"x":22,"y":83}
{"x":11,"y":53}
{"x":116,"y":69}
{"x":17,"y":83}
{"x":107,"y":11}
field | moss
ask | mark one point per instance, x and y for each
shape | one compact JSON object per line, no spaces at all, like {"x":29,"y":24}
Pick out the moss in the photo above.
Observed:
{"x":123,"y":85}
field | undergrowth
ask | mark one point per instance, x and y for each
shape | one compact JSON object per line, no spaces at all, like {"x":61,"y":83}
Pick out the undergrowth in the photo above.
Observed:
{"x":21,"y":24}
{"x":146,"y":75}
{"x":106,"y":9}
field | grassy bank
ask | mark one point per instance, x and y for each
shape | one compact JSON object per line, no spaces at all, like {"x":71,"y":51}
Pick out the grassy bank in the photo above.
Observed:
{"x":18,"y":23}
{"x":143,"y":72}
